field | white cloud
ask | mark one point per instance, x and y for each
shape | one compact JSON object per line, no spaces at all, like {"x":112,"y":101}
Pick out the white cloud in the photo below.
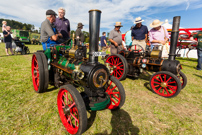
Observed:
{"x":33,"y":11}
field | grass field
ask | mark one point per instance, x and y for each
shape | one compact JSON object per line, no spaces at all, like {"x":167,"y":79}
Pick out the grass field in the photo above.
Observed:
{"x":25,"y":112}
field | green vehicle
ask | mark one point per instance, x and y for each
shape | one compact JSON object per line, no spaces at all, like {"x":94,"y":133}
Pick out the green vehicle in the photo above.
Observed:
{"x":23,"y":35}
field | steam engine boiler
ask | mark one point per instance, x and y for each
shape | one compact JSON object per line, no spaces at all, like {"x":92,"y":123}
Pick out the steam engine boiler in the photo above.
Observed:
{"x":84,"y":83}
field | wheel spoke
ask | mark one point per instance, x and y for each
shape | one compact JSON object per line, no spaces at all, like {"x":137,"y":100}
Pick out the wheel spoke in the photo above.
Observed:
{"x":119,"y":73}
{"x":156,"y":78}
{"x":168,"y":80}
{"x":109,"y":85}
{"x":157,"y":83}
{"x":160,"y":78}
{"x":63,"y":103}
{"x":115,"y":93}
{"x":156,"y":86}
{"x":76,"y":120}
{"x":115,"y":96}
{"x":159,"y":88}
{"x":113,"y":101}
{"x":164,"y":77}
{"x":113,"y":88}
{"x":172,"y":82}
{"x":167,"y":91}
{"x":119,"y":63}
{"x":69,"y":120}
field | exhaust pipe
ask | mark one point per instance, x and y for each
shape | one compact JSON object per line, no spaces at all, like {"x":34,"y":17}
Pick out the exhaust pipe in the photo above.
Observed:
{"x":94,"y":30}
{"x":171,"y":64}
{"x":174,"y":37}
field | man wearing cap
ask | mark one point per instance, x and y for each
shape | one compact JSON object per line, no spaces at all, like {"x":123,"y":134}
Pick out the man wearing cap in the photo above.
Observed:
{"x":49,"y":34}
{"x":79,"y":35}
{"x":62,"y":24}
{"x":158,"y":35}
{"x":115,"y":37}
{"x":139,"y":33}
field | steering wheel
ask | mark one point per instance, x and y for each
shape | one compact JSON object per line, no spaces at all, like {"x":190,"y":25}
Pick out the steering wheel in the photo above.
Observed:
{"x":136,"y":49}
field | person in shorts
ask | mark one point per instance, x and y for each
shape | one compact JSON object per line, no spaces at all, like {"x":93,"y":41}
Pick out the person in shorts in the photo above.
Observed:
{"x":8,"y":39}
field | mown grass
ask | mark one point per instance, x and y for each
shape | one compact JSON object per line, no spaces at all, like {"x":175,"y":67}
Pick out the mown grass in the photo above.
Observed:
{"x":24,"y":111}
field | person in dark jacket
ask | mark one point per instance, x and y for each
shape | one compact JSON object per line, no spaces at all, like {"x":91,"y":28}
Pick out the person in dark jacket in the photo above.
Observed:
{"x":79,"y":34}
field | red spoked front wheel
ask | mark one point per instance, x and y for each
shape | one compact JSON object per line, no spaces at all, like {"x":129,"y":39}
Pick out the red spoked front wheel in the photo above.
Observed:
{"x":116,"y":92}
{"x":165,"y":84}
{"x":119,"y":65}
{"x":72,"y":109}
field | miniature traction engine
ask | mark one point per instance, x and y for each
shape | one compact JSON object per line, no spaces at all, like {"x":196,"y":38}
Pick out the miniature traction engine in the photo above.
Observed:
{"x":85,"y":84}
{"x":168,"y":79}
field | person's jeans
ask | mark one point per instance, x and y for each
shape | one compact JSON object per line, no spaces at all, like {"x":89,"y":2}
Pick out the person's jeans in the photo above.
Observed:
{"x":199,"y":53}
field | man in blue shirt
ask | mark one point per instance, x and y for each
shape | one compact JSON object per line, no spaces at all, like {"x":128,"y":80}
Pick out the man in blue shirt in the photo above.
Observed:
{"x":104,"y":42}
{"x":62,"y":24}
{"x":139,"y":33}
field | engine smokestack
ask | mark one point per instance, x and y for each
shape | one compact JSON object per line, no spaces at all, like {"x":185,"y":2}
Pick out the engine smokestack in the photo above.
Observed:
{"x":174,"y":37}
{"x":94,"y":30}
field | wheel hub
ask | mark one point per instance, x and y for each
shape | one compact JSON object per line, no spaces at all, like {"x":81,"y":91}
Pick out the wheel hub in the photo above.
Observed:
{"x":35,"y":72}
{"x":163,"y":84}
{"x":67,"y":110}
{"x":114,"y":67}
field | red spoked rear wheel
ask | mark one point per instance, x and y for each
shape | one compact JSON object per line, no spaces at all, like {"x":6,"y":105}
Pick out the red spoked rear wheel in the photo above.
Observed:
{"x":72,"y":109}
{"x":119,"y":65}
{"x":37,"y":72}
{"x":116,"y":92}
{"x":165,"y":84}
{"x":39,"y":69}
{"x":183,"y":79}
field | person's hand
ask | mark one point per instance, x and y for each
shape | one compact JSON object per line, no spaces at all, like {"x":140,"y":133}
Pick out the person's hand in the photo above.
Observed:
{"x":146,"y":40}
{"x":162,"y":42}
{"x":115,"y":43}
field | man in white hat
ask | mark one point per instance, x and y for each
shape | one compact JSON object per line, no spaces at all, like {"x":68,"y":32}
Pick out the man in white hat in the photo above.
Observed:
{"x":115,"y":37}
{"x":158,"y":35}
{"x":139,"y":33}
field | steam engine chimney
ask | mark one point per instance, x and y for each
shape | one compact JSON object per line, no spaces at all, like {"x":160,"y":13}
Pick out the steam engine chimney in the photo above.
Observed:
{"x":94,"y":30}
{"x":174,"y":37}
{"x":171,"y":64}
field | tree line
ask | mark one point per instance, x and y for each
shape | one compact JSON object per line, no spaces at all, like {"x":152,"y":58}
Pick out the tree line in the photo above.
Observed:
{"x":24,"y":26}
{"x":18,"y":25}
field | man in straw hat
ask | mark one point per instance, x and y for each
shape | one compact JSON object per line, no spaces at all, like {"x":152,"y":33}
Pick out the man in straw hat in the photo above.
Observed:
{"x":158,"y":35}
{"x":115,"y":37}
{"x":139,"y":33}
{"x":79,"y":34}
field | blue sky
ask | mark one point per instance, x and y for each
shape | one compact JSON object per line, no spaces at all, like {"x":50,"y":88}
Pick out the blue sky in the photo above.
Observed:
{"x":125,"y":11}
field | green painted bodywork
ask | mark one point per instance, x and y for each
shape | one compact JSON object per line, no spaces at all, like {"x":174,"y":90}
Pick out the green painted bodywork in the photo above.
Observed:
{"x":65,"y":63}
